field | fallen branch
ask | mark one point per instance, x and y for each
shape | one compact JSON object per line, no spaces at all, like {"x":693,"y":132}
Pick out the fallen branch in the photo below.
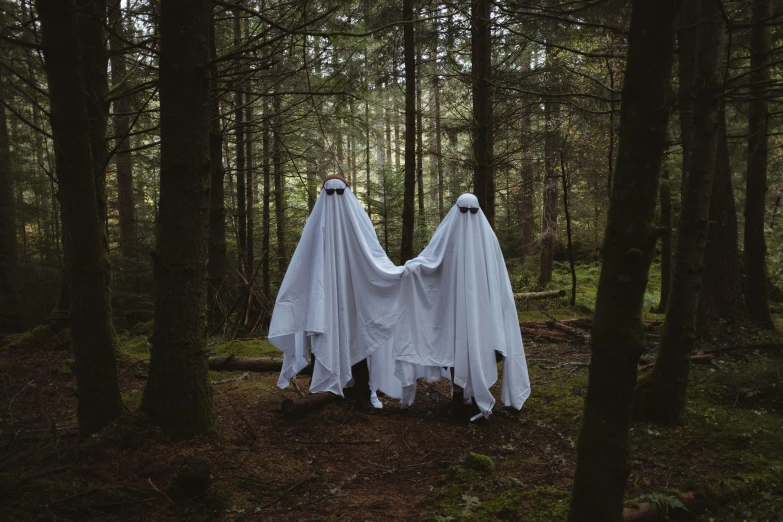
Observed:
{"x":235,"y":379}
{"x":250,"y":364}
{"x":576,"y":332}
{"x":706,"y":358}
{"x":294,"y":407}
{"x":534,"y":296}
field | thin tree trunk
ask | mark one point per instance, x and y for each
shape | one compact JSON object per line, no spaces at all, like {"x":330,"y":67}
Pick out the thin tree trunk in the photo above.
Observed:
{"x":367,"y":191}
{"x":217,"y":206}
{"x":122,"y":155}
{"x":178,"y":395}
{"x":660,"y":396}
{"x":618,"y":332}
{"x":756,"y":193}
{"x":526,"y":191}
{"x":10,"y":297}
{"x":666,"y":239}
{"x":438,"y":147}
{"x":250,"y":187}
{"x":420,"y":159}
{"x":481,"y":67}
{"x":277,"y":159}
{"x":239,"y":133}
{"x":265,"y":216}
{"x":549,"y":229}
{"x":406,"y":249}
{"x":92,"y":334}
{"x":566,"y":187}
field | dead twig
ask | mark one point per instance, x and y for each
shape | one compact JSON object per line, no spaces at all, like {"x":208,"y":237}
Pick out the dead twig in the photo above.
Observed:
{"x":159,"y":491}
{"x":235,"y":379}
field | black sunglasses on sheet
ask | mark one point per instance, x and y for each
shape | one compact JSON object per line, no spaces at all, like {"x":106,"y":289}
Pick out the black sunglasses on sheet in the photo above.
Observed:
{"x":331,"y":191}
{"x":464,"y":210}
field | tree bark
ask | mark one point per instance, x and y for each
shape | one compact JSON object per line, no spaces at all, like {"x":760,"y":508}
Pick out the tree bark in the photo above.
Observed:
{"x":551,"y":177}
{"x":660,"y":396}
{"x":277,"y":159}
{"x":755,"y":195}
{"x":666,"y":239}
{"x":10,"y":298}
{"x":481,"y":75}
{"x":618,"y":332}
{"x":265,"y":212}
{"x":92,"y":334}
{"x":217,"y":207}
{"x":178,"y":395}
{"x":526,"y":191}
{"x":122,"y":155}
{"x":406,"y":249}
{"x":420,"y":158}
{"x":239,"y":135}
{"x":721,"y":289}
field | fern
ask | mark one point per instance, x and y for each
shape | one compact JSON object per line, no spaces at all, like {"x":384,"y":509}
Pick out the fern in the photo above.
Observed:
{"x":662,"y":503}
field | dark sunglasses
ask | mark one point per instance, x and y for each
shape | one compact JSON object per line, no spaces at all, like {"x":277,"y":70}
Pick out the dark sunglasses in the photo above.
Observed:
{"x":464,"y":210}
{"x":339,"y":191}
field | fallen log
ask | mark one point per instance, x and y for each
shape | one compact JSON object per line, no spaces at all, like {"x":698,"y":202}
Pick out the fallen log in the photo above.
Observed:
{"x":648,"y":512}
{"x":250,"y":364}
{"x":294,"y":407}
{"x":534,"y":296}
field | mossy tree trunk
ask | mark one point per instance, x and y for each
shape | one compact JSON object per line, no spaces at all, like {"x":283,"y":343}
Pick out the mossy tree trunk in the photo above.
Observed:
{"x":9,"y":259}
{"x":666,"y":238}
{"x":660,"y":396}
{"x":277,"y":153}
{"x":629,"y":244}
{"x":481,"y":76}
{"x":92,"y":334}
{"x":178,"y":395}
{"x":755,"y":195}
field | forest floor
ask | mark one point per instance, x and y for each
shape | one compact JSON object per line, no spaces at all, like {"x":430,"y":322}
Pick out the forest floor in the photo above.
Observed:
{"x":341,"y":464}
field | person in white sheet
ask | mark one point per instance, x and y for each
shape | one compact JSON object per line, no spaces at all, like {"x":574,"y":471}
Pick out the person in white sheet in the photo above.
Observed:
{"x":457,"y":310}
{"x":338,"y":300}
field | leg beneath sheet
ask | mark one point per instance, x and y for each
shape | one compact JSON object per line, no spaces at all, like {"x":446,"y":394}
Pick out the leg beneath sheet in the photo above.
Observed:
{"x":361,"y":385}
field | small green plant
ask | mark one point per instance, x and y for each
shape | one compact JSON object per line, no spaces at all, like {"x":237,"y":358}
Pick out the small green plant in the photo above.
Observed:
{"x":662,"y":503}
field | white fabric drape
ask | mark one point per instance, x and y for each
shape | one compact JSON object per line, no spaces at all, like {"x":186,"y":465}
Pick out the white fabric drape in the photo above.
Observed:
{"x":338,"y":299}
{"x":457,"y":307}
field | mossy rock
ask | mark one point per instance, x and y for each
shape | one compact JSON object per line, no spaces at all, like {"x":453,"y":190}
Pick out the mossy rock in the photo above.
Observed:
{"x":477,"y":462}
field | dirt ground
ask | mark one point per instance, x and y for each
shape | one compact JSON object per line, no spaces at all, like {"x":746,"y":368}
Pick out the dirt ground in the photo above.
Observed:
{"x":341,"y":464}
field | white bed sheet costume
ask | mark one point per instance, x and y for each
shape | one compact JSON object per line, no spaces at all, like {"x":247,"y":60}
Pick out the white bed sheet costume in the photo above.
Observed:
{"x":338,"y":299}
{"x":457,"y":307}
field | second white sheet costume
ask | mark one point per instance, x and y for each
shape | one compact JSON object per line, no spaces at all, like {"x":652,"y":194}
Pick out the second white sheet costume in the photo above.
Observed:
{"x":457,"y":307}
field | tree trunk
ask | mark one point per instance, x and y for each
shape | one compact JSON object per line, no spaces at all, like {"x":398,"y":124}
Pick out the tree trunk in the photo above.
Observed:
{"x":686,"y":40}
{"x":755,"y":195}
{"x":217,"y":205}
{"x":367,"y":191}
{"x":660,"y":396}
{"x":178,"y":395}
{"x":122,"y":155}
{"x":566,"y":187}
{"x":265,"y":212}
{"x":629,"y":244}
{"x":438,"y":146}
{"x":420,"y":159}
{"x":10,"y":297}
{"x":526,"y":191}
{"x":481,"y":67}
{"x":92,"y":334}
{"x":239,"y":133}
{"x":721,"y":289}
{"x":551,"y":177}
{"x":250,"y":187}
{"x":406,"y":250}
{"x":666,"y":239}
{"x":277,"y":159}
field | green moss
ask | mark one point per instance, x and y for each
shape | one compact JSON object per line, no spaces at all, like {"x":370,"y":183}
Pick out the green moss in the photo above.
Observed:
{"x":143,"y":329}
{"x":480,"y":463}
{"x":254,"y":348}
{"x":137,"y":348}
{"x":41,"y":338}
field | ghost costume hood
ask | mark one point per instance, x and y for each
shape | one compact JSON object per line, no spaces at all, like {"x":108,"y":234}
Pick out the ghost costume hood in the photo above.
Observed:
{"x":339,"y":295}
{"x":457,"y":308}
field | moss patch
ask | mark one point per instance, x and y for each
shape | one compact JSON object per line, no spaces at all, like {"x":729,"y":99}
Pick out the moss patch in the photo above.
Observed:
{"x":254,"y":348}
